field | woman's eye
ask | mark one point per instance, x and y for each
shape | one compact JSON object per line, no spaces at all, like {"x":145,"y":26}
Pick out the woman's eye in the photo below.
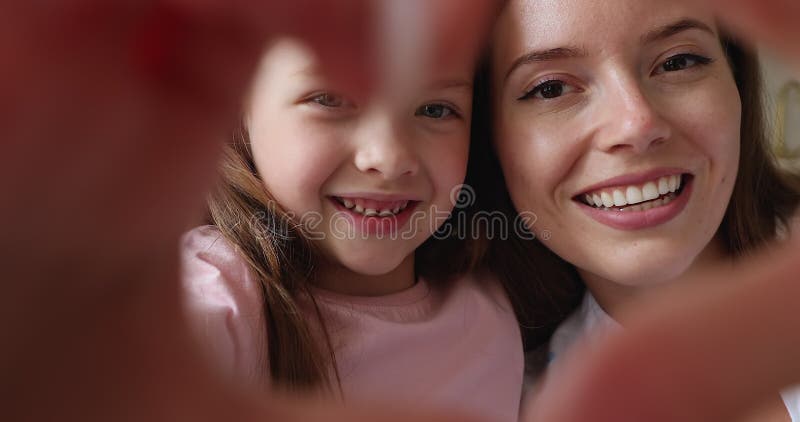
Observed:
{"x":330,"y":100}
{"x":548,"y":90}
{"x":682,"y":62}
{"x":435,"y":111}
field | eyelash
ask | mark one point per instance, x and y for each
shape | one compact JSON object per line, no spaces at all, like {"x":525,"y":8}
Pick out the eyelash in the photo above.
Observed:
{"x":542,"y":86}
{"x":324,"y":99}
{"x":448,"y":111}
{"x":333,"y":102}
{"x":697,"y":59}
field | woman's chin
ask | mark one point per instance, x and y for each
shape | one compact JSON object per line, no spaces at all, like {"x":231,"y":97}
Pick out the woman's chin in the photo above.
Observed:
{"x":636,"y":271}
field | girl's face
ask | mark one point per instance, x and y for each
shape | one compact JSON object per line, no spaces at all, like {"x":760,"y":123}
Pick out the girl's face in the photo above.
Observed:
{"x":618,"y":126}
{"x":370,"y":179}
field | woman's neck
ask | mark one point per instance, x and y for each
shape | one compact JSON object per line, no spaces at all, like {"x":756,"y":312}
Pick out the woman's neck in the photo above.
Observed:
{"x":339,"y":279}
{"x":615,"y":297}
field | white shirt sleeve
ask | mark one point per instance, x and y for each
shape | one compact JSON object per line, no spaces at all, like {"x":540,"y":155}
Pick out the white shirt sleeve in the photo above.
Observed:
{"x":791,"y":398}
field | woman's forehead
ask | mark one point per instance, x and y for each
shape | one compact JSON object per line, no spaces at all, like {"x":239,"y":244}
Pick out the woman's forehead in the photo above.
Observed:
{"x":527,"y":25}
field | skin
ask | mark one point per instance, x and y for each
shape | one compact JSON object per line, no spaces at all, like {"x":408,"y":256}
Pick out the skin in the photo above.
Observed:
{"x":624,"y":109}
{"x":314,"y":141}
{"x":101,"y":294}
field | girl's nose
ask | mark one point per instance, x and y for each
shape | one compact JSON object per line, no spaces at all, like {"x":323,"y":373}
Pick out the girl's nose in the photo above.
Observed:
{"x":386,"y":150}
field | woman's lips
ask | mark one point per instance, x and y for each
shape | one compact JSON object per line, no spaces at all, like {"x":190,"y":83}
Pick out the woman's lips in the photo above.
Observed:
{"x":642,"y":214}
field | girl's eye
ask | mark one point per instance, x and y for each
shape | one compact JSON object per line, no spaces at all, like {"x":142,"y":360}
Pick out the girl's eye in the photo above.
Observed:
{"x":435,"y":111}
{"x":682,"y":62}
{"x":548,"y":90}
{"x":329,"y":100}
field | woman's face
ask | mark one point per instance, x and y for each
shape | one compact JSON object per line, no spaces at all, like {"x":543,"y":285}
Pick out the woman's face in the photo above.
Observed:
{"x":618,"y":126}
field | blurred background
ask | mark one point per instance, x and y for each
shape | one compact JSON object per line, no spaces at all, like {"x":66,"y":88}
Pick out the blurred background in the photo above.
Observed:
{"x":783,"y":108}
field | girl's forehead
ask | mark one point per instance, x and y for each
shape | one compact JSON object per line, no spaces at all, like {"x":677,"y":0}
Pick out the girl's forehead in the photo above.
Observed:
{"x":292,"y":59}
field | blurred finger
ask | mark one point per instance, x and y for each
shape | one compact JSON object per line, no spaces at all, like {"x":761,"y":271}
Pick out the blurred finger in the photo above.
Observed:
{"x":709,"y":352}
{"x":773,"y":22}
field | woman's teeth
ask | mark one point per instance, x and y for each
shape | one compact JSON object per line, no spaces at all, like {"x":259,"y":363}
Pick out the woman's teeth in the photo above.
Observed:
{"x":652,"y":194}
{"x":386,"y":210}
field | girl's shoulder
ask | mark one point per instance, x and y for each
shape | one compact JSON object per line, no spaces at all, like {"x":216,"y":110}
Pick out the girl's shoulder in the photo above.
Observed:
{"x":479,"y":294}
{"x":223,"y":302}
{"x":484,"y":284}
{"x":209,"y":260}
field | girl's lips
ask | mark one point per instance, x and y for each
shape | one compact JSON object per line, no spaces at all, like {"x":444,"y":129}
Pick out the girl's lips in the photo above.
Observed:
{"x":638,"y":220}
{"x":376,"y":224}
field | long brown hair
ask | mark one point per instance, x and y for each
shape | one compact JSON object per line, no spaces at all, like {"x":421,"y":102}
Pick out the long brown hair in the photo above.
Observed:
{"x":764,"y":197}
{"x":548,"y":288}
{"x":300,"y":354}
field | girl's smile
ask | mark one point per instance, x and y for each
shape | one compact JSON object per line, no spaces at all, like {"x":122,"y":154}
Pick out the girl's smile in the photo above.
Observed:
{"x":376,"y":214}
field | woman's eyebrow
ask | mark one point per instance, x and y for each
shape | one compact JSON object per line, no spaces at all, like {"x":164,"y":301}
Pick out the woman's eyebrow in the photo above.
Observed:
{"x":544,"y":56}
{"x":677,"y":27}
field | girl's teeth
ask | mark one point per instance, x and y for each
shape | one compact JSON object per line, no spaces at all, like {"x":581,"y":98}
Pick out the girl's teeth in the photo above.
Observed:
{"x":373,"y":212}
{"x":673,"y":183}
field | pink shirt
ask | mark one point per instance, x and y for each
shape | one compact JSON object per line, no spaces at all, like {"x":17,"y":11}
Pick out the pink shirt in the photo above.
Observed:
{"x":457,"y":346}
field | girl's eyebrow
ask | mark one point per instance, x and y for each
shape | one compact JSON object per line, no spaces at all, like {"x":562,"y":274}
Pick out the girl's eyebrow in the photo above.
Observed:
{"x":451,"y":84}
{"x":310,"y":70}
{"x":546,"y":55}
{"x":676,"y":27}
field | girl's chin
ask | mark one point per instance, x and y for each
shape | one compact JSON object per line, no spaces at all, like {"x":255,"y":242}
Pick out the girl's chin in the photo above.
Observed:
{"x":374,"y":265}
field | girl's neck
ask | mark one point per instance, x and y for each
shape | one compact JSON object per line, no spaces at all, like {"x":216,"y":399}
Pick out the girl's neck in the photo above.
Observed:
{"x":339,"y":279}
{"x":614,"y":297}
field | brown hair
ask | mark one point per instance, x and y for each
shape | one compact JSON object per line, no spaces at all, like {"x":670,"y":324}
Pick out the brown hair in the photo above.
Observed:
{"x":764,"y":197}
{"x":273,"y":245}
{"x":763,"y":201}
